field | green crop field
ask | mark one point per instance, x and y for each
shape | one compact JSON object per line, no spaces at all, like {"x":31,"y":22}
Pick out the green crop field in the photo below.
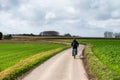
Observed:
{"x":16,"y":58}
{"x":108,"y":53}
{"x":11,"y":53}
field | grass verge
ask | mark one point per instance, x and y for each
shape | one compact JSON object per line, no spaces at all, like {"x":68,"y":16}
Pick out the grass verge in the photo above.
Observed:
{"x":97,"y":68}
{"x":25,"y":65}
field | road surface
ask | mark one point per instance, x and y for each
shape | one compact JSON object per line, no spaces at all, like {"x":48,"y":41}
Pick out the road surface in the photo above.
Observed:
{"x":60,"y":67}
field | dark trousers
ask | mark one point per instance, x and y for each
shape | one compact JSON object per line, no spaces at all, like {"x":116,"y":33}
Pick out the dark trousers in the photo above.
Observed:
{"x":74,"y":51}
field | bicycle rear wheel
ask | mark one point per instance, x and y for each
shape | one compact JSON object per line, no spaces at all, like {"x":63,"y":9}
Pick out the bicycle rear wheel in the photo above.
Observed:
{"x":74,"y":53}
{"x":74,"y":56}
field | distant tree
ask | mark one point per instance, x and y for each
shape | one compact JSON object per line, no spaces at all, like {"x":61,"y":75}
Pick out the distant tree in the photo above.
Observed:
{"x":67,"y":34}
{"x":8,"y":36}
{"x":117,"y":35}
{"x":1,"y":35}
{"x":108,"y":34}
{"x":32,"y":34}
{"x":105,"y":34}
{"x":49,"y":33}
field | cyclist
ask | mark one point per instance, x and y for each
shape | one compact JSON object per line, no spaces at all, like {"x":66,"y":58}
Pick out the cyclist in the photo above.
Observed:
{"x":74,"y":45}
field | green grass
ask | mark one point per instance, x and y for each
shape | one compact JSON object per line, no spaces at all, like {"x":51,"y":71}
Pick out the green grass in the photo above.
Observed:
{"x":104,"y":62}
{"x":27,"y":64}
{"x":12,"y":53}
{"x":17,"y":58}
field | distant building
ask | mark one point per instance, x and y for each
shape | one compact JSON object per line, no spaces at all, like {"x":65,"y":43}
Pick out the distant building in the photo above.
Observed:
{"x":49,"y":33}
{"x":108,"y":35}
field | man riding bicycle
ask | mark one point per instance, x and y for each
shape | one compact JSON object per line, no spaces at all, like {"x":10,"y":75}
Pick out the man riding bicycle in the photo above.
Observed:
{"x":74,"y":45}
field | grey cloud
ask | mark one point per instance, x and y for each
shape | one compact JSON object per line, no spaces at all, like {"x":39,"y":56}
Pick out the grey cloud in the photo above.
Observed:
{"x":9,"y":4}
{"x":99,"y":10}
{"x":71,"y":16}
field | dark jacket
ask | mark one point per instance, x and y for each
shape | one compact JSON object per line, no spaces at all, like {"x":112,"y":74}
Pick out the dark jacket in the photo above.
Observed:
{"x":76,"y":43}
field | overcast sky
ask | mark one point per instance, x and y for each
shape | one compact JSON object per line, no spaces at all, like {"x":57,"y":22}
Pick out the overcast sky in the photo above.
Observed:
{"x":77,"y":17}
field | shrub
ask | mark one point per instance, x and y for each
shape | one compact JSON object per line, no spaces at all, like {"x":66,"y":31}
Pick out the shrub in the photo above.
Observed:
{"x":1,"y":35}
{"x":8,"y":36}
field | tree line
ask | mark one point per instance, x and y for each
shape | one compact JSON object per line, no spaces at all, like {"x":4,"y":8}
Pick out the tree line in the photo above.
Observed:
{"x":44,"y":33}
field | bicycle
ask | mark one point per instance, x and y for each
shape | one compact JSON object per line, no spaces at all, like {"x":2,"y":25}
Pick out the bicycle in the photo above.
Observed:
{"x":74,"y":53}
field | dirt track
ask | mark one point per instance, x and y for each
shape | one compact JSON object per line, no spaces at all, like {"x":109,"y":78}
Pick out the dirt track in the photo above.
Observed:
{"x":60,"y":67}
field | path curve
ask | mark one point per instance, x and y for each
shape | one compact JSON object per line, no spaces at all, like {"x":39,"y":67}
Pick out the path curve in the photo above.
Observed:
{"x":60,"y":67}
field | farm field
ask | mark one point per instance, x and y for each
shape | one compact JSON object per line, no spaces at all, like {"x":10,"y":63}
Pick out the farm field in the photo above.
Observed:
{"x":107,"y":53}
{"x":19,"y":56}
{"x":103,"y":62}
{"x":11,"y":53}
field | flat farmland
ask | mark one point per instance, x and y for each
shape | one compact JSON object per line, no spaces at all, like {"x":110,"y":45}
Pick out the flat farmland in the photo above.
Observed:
{"x":12,"y":53}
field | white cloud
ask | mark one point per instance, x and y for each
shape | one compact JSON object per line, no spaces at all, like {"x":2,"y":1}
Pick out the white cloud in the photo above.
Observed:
{"x":115,"y":14}
{"x":50,"y":15}
{"x":71,"y":10}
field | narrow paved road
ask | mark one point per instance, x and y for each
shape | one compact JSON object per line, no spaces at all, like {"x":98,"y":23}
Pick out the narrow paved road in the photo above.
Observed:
{"x":60,"y":67}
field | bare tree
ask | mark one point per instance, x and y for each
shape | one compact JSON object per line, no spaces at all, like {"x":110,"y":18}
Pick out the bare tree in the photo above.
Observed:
{"x":117,"y":35}
{"x":108,"y":34}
